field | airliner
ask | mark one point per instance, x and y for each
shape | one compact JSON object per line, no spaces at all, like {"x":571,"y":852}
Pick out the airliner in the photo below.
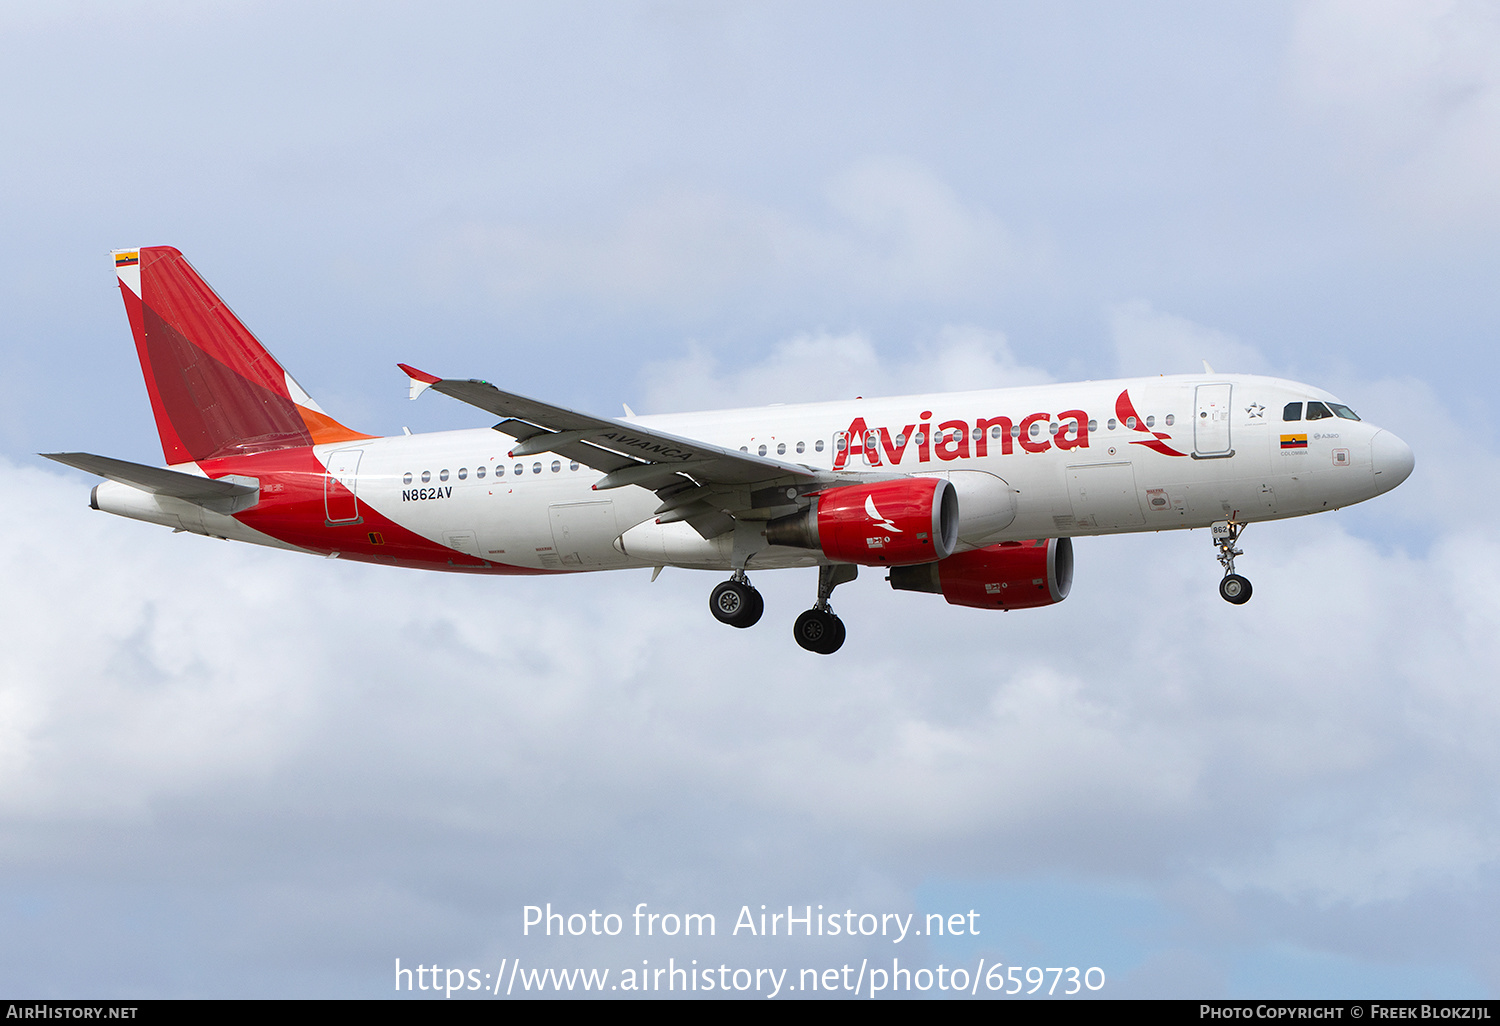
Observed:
{"x":974,"y":496}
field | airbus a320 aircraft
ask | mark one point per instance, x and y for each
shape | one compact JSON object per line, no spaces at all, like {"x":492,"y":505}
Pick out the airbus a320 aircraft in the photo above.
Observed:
{"x":971,"y":495}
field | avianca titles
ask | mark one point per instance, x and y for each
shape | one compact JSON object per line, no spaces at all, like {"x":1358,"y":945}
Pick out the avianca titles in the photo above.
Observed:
{"x":971,"y":495}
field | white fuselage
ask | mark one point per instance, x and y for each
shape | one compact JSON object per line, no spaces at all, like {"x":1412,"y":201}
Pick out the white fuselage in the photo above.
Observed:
{"x":1203,"y":449}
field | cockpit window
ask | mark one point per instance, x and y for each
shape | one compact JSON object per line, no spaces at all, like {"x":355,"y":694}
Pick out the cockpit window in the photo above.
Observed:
{"x":1293,"y":411}
{"x":1317,"y":411}
{"x":1344,"y":412}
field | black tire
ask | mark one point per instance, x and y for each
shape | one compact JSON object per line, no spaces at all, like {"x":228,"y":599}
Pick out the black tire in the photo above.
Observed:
{"x":1236,"y":589}
{"x":819,"y":631}
{"x":736,"y":604}
{"x":757,"y":607}
{"x":836,"y":641}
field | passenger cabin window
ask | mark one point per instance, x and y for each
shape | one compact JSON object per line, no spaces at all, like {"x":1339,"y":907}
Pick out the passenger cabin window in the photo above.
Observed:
{"x":818,"y":445}
{"x":1293,"y":411}
{"x":479,"y":472}
{"x":1317,"y":411}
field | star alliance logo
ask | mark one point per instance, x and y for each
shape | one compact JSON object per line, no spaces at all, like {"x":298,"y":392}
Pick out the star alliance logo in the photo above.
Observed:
{"x":1256,"y":410}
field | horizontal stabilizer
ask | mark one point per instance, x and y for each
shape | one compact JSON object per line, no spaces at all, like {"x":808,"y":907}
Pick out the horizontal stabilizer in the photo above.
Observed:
{"x":203,"y":491}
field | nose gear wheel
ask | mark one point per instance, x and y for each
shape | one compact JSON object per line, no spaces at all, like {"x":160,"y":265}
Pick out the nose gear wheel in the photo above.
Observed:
{"x":1233,"y":588}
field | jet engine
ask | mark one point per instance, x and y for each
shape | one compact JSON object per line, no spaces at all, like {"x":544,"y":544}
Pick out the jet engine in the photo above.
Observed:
{"x":1011,"y":575}
{"x":881,"y":523}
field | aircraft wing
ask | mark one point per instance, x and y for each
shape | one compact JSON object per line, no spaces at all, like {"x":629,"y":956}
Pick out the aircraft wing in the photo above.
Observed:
{"x":707,"y":485}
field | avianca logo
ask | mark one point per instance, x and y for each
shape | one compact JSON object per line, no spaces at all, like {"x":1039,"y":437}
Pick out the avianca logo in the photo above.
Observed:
{"x":874,"y":514}
{"x":1125,"y":410}
{"x":960,"y":440}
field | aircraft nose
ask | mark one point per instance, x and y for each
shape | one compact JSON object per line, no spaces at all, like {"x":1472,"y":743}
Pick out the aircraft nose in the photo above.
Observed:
{"x":1391,"y":459}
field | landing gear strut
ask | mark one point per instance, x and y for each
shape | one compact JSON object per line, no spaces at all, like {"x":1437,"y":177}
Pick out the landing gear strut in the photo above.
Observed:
{"x":819,"y":629}
{"x":1233,"y":588}
{"x":736,"y":603}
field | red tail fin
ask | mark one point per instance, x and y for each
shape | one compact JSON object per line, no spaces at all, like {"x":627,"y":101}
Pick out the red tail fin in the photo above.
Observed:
{"x":214,"y":389}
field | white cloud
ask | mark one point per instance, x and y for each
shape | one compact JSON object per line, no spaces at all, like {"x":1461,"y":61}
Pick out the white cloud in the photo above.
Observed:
{"x":1413,"y":87}
{"x":1330,"y":742}
{"x":1327,"y":745}
{"x":890,"y":229}
{"x":813,"y":367}
{"x":1148,"y":341}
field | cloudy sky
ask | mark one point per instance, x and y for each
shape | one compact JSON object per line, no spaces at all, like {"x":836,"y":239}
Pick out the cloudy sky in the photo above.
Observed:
{"x":232,"y":771}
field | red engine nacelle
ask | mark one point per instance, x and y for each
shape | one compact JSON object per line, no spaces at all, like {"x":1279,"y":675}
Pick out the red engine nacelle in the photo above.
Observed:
{"x":884,"y":523}
{"x":1011,"y":575}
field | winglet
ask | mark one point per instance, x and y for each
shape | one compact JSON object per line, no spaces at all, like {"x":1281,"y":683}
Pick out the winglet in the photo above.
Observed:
{"x":421,"y":381}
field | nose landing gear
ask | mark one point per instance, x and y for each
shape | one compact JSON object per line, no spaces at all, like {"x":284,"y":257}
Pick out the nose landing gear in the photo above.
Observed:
{"x":1233,"y":588}
{"x":819,"y":629}
{"x":736,"y":603}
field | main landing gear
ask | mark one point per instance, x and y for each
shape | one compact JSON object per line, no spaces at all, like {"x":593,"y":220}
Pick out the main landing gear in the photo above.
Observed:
{"x":819,"y":629}
{"x":736,"y":603}
{"x":1233,"y":588}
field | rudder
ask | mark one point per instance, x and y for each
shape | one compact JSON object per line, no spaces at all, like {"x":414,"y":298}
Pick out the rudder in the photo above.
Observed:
{"x":215,"y":390}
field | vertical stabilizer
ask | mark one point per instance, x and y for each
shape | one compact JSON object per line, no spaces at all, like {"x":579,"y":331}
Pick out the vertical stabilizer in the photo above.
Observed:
{"x":214,"y":388}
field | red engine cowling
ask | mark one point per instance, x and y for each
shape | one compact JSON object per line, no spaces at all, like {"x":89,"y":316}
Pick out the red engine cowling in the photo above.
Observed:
{"x":1011,"y":575}
{"x":884,"y":523}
